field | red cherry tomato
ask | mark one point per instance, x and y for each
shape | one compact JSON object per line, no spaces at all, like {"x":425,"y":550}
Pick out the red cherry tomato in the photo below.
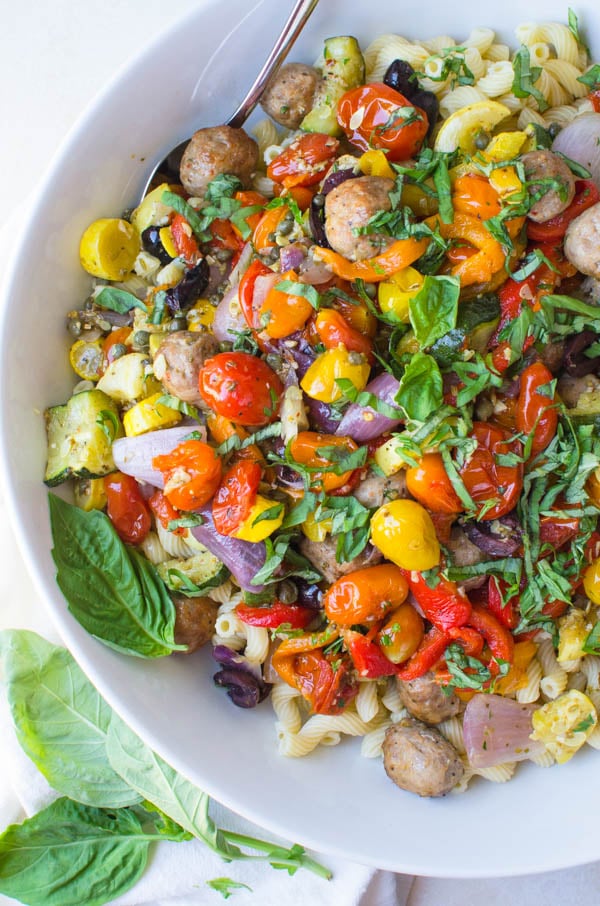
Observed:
{"x":305,"y":161}
{"x":240,"y":387}
{"x":536,"y":413}
{"x":505,"y":610}
{"x":192,"y":474}
{"x":389,"y":120}
{"x":127,"y":508}
{"x":235,"y":498}
{"x":165,"y":512}
{"x":333,"y":329}
{"x":494,"y":487}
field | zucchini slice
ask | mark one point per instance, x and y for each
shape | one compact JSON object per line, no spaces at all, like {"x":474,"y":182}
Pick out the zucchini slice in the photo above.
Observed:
{"x":342,"y":68}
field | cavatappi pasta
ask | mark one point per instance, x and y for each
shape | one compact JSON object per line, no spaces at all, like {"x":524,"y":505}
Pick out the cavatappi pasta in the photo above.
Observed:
{"x":330,"y":388}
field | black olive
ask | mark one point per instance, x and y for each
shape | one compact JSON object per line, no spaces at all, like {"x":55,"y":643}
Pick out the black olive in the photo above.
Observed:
{"x":401,"y":77}
{"x":153,"y":244}
{"x":189,"y":288}
{"x":428,"y":102}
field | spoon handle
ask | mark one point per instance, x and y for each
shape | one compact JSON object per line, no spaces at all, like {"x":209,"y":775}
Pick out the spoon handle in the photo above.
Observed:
{"x":292,"y":28}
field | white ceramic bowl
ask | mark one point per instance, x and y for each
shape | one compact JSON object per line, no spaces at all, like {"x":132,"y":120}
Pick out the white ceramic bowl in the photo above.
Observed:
{"x":333,"y":800}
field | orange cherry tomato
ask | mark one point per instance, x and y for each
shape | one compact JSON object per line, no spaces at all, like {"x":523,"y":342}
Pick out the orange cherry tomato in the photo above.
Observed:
{"x":333,"y":329}
{"x":282,"y":313}
{"x":357,"y":315}
{"x":304,"y":449}
{"x":126,"y":508}
{"x":327,"y":688}
{"x":376,"y":116}
{"x":473,"y":195}
{"x":495,"y":488}
{"x":402,"y":633}
{"x":429,"y":484}
{"x":365,"y":595}
{"x":192,"y":472}
{"x":236,"y":496}
{"x":536,"y":412}
{"x":184,"y":239}
{"x":241,"y":387}
{"x":304,"y":161}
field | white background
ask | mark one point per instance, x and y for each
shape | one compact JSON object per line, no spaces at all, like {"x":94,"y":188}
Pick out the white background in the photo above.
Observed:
{"x":54,"y":56}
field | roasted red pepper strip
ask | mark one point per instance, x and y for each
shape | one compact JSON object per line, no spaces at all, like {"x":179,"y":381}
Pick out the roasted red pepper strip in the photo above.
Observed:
{"x":367,"y":657}
{"x":470,"y":639}
{"x":294,"y":615}
{"x":536,"y":412}
{"x":246,"y":291}
{"x":184,"y":240}
{"x":553,"y":230}
{"x":498,"y":638}
{"x":426,"y":656}
{"x":446,"y":605}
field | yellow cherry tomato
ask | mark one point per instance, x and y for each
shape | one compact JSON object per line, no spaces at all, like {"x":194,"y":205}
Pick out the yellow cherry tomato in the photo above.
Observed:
{"x":404,"y":533}
{"x":251,"y":530}
{"x":109,"y":248}
{"x":591,"y":581}
{"x":319,"y":382}
{"x":395,"y":294}
{"x":401,"y":634}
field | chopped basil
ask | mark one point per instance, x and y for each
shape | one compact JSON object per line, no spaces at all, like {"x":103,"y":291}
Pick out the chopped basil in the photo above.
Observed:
{"x":421,"y":388}
{"x":367,"y":400}
{"x":173,"y":402}
{"x":158,"y":307}
{"x":525,"y":78}
{"x":433,"y":310}
{"x":591,"y":78}
{"x":305,"y":290}
{"x":109,"y":423}
{"x":188,"y":521}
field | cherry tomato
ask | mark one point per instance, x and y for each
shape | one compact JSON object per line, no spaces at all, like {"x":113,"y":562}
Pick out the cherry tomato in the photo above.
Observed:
{"x":429,"y":484}
{"x":246,"y":292}
{"x":305,"y":161}
{"x":192,"y":472}
{"x":304,"y":450}
{"x":165,"y":512}
{"x":401,"y":634}
{"x":327,"y":689}
{"x":225,"y":237}
{"x":283,"y":313}
{"x":184,"y":239}
{"x":495,"y":488}
{"x":426,"y":656}
{"x":333,"y":329}
{"x":236,"y":496}
{"x":375,"y":116}
{"x":127,"y":508}
{"x":498,"y":638}
{"x":368,"y":658}
{"x":557,"y":531}
{"x":250,"y":200}
{"x":536,"y":413}
{"x":240,"y":387}
{"x":365,"y":595}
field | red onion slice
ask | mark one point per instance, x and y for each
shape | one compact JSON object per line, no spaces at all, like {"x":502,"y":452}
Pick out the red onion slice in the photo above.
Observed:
{"x":242,"y":558}
{"x":291,"y":256}
{"x":362,"y":423}
{"x":580,"y":141}
{"x":496,"y":730}
{"x":134,"y":455}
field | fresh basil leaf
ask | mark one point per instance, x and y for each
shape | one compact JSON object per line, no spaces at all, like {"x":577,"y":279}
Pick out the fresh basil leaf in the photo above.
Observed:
{"x":289,"y":202}
{"x":274,"y":512}
{"x":591,"y":78}
{"x":56,"y":709}
{"x":71,"y":854}
{"x":592,"y":642}
{"x":118,"y":300}
{"x":182,"y":207}
{"x":576,"y":168}
{"x":158,"y":308}
{"x":525,"y":76}
{"x":433,"y":310}
{"x":367,"y":400}
{"x":173,"y":402}
{"x":441,"y":181}
{"x":421,"y":390}
{"x":160,"y":784}
{"x":113,"y":591}
{"x":305,"y":290}
{"x":238,"y":219}
{"x":225,"y":886}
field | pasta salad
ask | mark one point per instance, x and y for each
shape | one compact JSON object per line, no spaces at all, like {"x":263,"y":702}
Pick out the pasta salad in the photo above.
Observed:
{"x":337,"y":407}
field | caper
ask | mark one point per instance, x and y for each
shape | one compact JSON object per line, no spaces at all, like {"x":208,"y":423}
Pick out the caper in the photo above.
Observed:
{"x":482,"y":140}
{"x":287,"y":592}
{"x":286,"y":225}
{"x":74,"y":327}
{"x":178,"y":324}
{"x":554,"y":129}
{"x":270,"y":255}
{"x":141,"y":339}
{"x":223,"y":254}
{"x":117,"y":350}
{"x":274,"y":361}
{"x":319,"y":200}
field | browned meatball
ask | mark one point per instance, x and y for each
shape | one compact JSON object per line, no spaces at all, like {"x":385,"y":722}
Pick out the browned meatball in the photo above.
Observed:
{"x":549,"y":175}
{"x":375,"y":490}
{"x":582,"y":242}
{"x":194,"y":621}
{"x":426,"y":700}
{"x":322,"y":556}
{"x":179,"y":359}
{"x":216,"y":150}
{"x":289,"y":95}
{"x":418,"y":759}
{"x":349,"y":207}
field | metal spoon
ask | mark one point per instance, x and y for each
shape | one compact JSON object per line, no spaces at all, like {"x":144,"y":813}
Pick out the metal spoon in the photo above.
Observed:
{"x":169,"y":166}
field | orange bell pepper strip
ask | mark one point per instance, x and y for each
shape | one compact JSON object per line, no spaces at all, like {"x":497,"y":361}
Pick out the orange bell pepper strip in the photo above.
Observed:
{"x":284,"y":656}
{"x":490,"y":256}
{"x":400,"y":254}
{"x":266,"y":226}
{"x":222,"y":429}
{"x":473,"y":195}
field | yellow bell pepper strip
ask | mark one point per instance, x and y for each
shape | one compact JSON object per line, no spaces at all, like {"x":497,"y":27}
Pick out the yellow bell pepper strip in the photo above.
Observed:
{"x":399,"y":255}
{"x":375,"y":163}
{"x":149,"y":415}
{"x":488,"y":259}
{"x":269,"y":515}
{"x":395,"y":294}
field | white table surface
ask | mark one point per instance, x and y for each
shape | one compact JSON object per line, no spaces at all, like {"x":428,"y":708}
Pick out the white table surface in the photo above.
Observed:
{"x":54,"y":56}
